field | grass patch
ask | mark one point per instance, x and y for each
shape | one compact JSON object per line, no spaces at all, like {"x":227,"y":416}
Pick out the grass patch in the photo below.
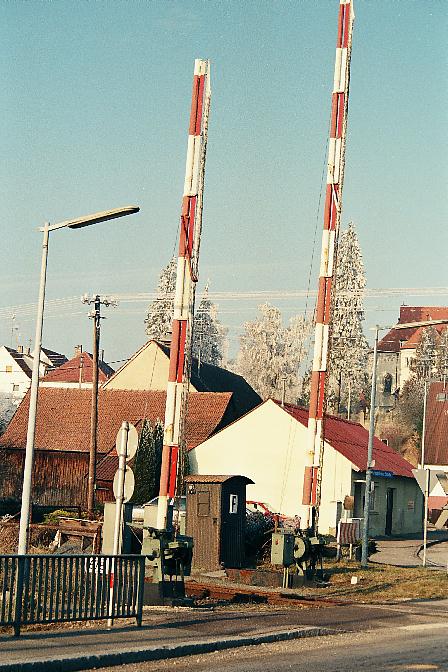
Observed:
{"x":381,"y":583}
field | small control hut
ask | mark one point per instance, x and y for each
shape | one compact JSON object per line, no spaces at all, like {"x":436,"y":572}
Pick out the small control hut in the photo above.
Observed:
{"x":216,"y":519}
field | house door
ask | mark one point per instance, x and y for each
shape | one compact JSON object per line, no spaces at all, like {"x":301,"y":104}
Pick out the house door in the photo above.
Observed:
{"x":389,"y":510}
{"x":358,"y":511}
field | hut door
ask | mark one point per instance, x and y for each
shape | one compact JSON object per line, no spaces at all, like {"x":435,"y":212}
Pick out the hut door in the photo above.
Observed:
{"x":233,"y":524}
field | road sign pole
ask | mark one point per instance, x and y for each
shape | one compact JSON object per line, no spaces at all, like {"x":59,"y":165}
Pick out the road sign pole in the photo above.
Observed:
{"x":122,"y":454}
{"x":425,"y":517}
{"x":369,"y":465}
{"x":121,"y":473}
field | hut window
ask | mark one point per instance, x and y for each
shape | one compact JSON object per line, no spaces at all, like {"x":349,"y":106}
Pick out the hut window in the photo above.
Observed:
{"x":203,"y":503}
{"x":387,"y":384}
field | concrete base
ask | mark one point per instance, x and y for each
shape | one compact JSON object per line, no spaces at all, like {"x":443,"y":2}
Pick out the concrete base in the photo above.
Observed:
{"x":166,"y":593}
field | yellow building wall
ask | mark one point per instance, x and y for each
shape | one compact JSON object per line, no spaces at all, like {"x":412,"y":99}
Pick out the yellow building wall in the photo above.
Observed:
{"x":147,"y":370}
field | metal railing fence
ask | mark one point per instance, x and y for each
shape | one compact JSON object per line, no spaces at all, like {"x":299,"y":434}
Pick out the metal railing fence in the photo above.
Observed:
{"x":58,"y":588}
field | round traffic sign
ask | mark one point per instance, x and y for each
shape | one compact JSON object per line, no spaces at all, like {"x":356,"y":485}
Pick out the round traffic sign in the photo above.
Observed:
{"x":128,"y":486}
{"x":132,"y":441}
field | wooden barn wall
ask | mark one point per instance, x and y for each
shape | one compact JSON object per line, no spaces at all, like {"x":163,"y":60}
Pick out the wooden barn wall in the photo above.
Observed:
{"x":59,"y":478}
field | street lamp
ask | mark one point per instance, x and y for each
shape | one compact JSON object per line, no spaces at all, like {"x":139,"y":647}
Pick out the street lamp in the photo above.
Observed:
{"x":369,"y":466}
{"x":78,"y":223}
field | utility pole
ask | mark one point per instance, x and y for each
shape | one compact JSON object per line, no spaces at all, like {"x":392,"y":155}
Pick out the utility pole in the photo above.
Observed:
{"x":96,"y":316}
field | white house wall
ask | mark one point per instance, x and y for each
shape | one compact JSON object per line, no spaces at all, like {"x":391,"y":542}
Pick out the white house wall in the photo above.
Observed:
{"x":14,"y":383}
{"x":336,"y":485}
{"x":268,"y":445}
{"x":407,"y":355}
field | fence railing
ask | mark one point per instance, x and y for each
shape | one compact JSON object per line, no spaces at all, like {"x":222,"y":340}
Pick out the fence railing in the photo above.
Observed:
{"x":58,"y":588}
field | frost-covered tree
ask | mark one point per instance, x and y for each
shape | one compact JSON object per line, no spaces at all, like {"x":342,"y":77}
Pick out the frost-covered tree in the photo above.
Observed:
{"x":209,"y":335}
{"x":424,"y":364}
{"x":349,"y":348}
{"x":8,"y":407}
{"x":270,"y":352}
{"x":160,"y":312}
{"x":442,"y":356}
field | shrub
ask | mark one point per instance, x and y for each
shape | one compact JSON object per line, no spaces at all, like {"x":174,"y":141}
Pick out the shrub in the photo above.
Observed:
{"x":53,"y":517}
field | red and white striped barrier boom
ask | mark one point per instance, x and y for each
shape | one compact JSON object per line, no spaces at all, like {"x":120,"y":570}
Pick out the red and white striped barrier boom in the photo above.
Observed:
{"x":186,"y":278}
{"x":332,"y":216}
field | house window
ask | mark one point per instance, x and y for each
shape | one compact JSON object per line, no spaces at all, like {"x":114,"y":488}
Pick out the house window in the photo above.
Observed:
{"x":8,"y":368}
{"x":15,"y":388}
{"x":387,"y":384}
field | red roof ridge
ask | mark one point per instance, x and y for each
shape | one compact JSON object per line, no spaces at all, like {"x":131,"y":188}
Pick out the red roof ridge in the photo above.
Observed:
{"x":327,"y":415}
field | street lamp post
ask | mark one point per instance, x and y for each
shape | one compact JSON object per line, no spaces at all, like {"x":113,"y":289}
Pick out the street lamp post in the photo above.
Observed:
{"x":34,"y":391}
{"x":369,"y":465}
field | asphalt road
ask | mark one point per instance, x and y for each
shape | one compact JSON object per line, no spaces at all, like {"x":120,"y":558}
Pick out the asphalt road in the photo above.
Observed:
{"x":408,"y":648}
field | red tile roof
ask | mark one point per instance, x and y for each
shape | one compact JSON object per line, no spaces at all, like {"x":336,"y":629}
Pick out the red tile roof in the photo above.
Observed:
{"x":391,"y":341}
{"x":81,"y":364}
{"x":63,"y":419}
{"x":350,"y":439}
{"x":436,"y":432}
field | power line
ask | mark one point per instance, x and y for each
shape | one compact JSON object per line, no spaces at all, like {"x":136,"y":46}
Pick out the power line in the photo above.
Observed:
{"x":53,"y":305}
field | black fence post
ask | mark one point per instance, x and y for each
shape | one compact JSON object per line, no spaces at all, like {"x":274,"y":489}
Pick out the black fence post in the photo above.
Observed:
{"x":19,"y":594}
{"x":141,"y":588}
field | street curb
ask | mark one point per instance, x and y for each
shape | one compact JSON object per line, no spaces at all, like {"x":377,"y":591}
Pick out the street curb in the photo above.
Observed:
{"x":429,"y":544}
{"x":76,"y":663}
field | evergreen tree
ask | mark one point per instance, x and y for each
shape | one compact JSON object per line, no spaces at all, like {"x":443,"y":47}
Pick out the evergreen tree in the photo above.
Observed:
{"x":209,"y":335}
{"x":148,"y":462}
{"x":270,"y":352}
{"x":349,"y":348}
{"x":160,"y":312}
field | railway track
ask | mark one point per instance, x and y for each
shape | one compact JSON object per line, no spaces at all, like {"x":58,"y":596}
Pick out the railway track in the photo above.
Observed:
{"x":238,"y":593}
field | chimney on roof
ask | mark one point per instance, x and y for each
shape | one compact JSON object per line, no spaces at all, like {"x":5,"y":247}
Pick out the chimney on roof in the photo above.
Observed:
{"x":20,"y":349}
{"x":78,"y":350}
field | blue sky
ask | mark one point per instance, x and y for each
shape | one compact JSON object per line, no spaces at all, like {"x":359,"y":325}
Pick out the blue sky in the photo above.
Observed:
{"x":95,"y":102}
